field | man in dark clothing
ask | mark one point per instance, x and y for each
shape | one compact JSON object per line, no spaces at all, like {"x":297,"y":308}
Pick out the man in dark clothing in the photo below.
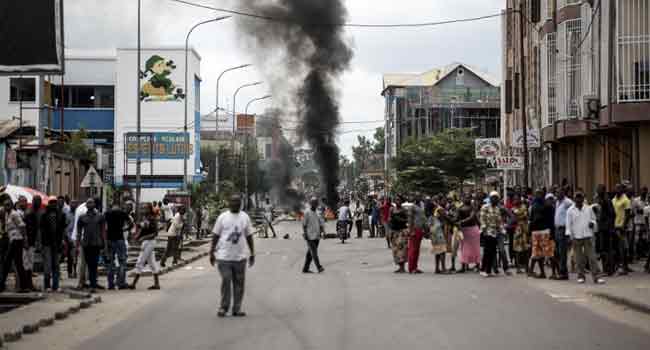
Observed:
{"x":15,"y":228}
{"x":32,"y":228}
{"x":117,"y":220}
{"x":52,"y":228}
{"x":604,"y":238}
{"x":93,"y":239}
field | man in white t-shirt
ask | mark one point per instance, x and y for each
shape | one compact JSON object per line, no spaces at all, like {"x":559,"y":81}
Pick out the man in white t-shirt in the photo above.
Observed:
{"x":228,"y":252}
{"x":268,"y":219}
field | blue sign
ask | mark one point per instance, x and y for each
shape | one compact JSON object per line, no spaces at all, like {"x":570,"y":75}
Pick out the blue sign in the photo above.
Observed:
{"x":159,"y":145}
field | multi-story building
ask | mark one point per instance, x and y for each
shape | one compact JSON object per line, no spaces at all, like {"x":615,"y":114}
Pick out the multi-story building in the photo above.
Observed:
{"x":98,"y":94}
{"x":421,"y":105}
{"x":575,"y":52}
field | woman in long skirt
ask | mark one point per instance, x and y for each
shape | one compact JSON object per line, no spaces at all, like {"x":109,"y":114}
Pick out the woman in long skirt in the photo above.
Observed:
{"x":471,"y":247}
{"x":521,"y":240}
{"x":399,"y":234}
{"x":438,"y":239}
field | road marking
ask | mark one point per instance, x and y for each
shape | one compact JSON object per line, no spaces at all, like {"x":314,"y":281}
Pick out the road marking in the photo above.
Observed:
{"x":200,"y":268}
{"x":188,"y":267}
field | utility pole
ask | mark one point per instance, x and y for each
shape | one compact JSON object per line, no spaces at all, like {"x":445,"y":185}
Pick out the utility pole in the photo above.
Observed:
{"x":522,"y":67}
{"x":138,"y":161}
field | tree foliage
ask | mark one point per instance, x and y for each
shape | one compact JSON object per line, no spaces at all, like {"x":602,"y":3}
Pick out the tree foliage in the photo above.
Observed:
{"x":77,"y":148}
{"x":448,"y":155}
{"x":380,"y":140}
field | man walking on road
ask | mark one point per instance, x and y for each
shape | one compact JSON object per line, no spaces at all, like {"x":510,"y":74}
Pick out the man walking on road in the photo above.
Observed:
{"x":228,"y":253}
{"x":147,"y":232}
{"x":268,"y":219}
{"x":53,"y":225}
{"x":580,"y":226}
{"x":312,"y":226}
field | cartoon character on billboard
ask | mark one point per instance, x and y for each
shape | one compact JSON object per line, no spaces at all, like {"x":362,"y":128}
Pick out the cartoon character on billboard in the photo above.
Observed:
{"x":158,"y":86}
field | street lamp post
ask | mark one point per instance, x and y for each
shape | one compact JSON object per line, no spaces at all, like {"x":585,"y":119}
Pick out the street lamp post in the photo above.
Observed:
{"x":216,"y":130}
{"x":187,"y":42}
{"x":246,"y":150}
{"x":234,"y":118}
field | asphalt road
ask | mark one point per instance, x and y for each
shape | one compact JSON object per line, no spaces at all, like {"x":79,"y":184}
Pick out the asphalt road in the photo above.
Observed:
{"x":358,"y":303}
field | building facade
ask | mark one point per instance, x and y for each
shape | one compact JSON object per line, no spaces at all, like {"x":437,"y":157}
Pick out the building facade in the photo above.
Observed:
{"x":421,"y":105}
{"x":578,"y":52}
{"x":98,"y":94}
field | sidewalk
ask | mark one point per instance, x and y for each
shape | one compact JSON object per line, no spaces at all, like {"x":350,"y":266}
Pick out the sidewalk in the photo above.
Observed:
{"x":631,"y":291}
{"x":27,"y":313}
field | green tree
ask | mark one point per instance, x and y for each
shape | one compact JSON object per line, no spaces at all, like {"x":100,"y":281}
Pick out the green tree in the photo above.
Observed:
{"x":77,"y":148}
{"x":450,"y":154}
{"x":380,"y":140}
{"x":362,"y":153}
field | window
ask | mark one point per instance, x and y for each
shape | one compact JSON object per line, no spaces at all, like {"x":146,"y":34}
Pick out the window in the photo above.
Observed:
{"x":551,"y":77}
{"x":22,"y":89}
{"x":573,"y":63}
{"x":633,"y":56}
{"x":85,"y":96}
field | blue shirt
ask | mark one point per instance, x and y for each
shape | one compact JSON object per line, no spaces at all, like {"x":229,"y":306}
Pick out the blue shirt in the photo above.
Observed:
{"x":561,"y":209}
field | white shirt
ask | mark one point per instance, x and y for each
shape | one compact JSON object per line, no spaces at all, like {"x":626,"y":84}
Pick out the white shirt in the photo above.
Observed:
{"x":232,"y":230}
{"x":176,"y":226}
{"x":268,"y":211}
{"x":167,"y":211}
{"x":578,"y":220}
{"x":344,"y":213}
{"x":81,"y":210}
{"x":638,"y":206}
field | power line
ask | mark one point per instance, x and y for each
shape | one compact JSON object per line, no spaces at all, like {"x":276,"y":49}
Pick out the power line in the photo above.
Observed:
{"x":357,"y":25}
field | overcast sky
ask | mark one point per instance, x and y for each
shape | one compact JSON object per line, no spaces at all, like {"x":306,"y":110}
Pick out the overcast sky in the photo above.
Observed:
{"x":101,"y":24}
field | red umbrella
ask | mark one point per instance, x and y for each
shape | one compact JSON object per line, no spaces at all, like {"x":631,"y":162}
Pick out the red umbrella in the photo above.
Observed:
{"x":16,"y":192}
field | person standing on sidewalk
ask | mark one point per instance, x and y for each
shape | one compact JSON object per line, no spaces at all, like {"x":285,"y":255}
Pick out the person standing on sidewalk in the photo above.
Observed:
{"x":227,"y":251}
{"x":174,"y":237}
{"x":417,"y":226}
{"x":358,"y":218}
{"x":640,"y":227}
{"x":622,"y":210}
{"x":15,"y":226}
{"x":385,"y":219}
{"x":605,"y":235}
{"x":117,"y":220}
{"x":146,"y":235}
{"x":76,"y":239}
{"x":313,"y":226}
{"x":33,"y":225}
{"x":580,"y":226}
{"x":562,"y":205}
{"x":491,"y":227}
{"x":53,"y":225}
{"x":93,"y":239}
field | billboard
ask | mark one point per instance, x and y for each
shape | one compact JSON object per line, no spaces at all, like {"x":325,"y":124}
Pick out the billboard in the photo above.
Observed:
{"x":533,"y":139}
{"x":245,"y":124}
{"x":487,"y":148}
{"x":31,"y":37}
{"x":509,"y":163}
{"x":158,"y":145}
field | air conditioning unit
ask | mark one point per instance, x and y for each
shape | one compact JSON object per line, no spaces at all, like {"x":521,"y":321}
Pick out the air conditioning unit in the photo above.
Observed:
{"x":591,"y":107}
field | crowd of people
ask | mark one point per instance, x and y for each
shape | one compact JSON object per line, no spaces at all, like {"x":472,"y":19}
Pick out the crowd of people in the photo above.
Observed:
{"x":84,"y":237}
{"x":529,"y":232}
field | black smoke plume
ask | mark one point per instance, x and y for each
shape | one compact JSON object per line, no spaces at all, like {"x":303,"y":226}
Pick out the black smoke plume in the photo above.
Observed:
{"x":303,"y":52}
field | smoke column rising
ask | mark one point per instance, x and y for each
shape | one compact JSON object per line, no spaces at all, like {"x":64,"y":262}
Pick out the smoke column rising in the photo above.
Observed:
{"x":309,"y":55}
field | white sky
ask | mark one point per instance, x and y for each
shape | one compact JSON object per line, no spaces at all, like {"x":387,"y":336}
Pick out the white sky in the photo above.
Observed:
{"x":101,"y":24}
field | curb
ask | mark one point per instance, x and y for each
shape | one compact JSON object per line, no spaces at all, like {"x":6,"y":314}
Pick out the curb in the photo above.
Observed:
{"x":34,"y":327}
{"x":625,"y":302}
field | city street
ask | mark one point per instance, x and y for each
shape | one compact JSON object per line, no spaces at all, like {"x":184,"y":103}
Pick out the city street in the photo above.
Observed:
{"x":358,"y":303}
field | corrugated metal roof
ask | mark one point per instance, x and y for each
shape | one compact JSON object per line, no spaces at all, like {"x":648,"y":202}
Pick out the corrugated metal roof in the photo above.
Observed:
{"x":432,"y":77}
{"x":8,"y":127}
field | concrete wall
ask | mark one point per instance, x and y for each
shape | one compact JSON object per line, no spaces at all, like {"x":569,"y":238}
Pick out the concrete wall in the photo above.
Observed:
{"x":157,"y":116}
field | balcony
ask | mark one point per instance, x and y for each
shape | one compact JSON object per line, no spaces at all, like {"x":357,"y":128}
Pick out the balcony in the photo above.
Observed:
{"x":90,"y":119}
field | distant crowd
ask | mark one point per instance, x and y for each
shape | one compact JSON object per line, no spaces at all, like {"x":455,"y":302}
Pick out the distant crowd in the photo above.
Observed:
{"x":525,"y":232}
